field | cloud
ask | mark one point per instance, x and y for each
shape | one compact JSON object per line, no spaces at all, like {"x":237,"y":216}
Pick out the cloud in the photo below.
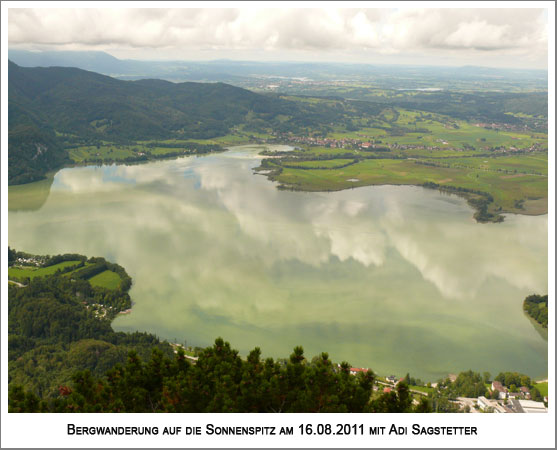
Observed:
{"x":386,"y":31}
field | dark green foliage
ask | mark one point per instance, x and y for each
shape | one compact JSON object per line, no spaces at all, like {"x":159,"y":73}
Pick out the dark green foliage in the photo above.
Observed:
{"x":11,"y":256}
{"x":467,"y":384}
{"x":53,"y":330}
{"x":411,"y":381}
{"x":220,"y":382}
{"x":536,"y":396}
{"x":478,"y":106}
{"x":32,"y":152}
{"x":395,"y":401}
{"x":440,"y":403}
{"x":423,"y":406}
{"x":478,"y":200}
{"x":89,"y":271}
{"x":514,"y":378}
{"x":536,"y":307}
{"x":51,"y":260}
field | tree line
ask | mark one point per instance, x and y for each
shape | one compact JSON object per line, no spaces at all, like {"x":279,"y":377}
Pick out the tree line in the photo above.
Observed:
{"x":536,"y":307}
{"x":221,"y":381}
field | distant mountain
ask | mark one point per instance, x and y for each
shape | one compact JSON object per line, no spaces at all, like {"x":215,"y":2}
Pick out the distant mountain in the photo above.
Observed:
{"x":237,"y":72}
{"x":106,"y":64}
{"x":95,"y":61}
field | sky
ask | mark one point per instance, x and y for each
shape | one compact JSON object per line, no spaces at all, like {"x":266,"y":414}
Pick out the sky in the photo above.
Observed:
{"x":500,"y":37}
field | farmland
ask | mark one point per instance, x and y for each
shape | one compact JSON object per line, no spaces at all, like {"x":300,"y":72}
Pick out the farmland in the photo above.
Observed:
{"x":23,"y":272}
{"x":106,"y":279}
{"x":503,"y":169}
{"x":27,"y":267}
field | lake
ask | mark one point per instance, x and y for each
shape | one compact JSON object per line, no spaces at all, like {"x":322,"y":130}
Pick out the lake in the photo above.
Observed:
{"x":395,"y":278}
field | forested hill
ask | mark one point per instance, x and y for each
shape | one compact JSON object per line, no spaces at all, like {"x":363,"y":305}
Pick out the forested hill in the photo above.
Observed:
{"x":51,"y":108}
{"x":54,"y":108}
{"x":76,"y":101}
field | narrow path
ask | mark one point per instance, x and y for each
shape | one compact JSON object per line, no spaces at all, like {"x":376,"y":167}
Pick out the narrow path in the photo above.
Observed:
{"x":16,"y":283}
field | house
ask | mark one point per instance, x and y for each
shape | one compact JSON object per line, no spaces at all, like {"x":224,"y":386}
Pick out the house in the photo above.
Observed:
{"x":497,"y":386}
{"x":525,"y":392}
{"x":356,"y":370}
{"x":391,"y":379}
{"x":387,"y":390}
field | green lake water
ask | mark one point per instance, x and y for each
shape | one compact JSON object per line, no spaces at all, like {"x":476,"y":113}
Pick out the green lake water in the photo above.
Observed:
{"x":395,"y":278}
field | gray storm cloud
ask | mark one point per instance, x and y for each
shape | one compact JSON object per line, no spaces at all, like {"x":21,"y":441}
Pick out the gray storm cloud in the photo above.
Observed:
{"x":468,"y":31}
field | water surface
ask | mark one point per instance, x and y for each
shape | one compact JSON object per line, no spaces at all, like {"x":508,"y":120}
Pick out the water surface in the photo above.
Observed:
{"x":395,"y":278}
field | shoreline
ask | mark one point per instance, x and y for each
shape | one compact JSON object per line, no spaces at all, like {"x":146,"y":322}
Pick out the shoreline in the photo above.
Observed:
{"x":286,"y":187}
{"x":271,"y":176}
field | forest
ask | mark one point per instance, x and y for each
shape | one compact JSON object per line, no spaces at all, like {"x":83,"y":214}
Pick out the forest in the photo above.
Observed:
{"x":221,"y":381}
{"x":536,"y":307}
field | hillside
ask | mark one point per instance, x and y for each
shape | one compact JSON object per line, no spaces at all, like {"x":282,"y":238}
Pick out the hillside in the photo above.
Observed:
{"x":51,"y":109}
{"x":75,"y":101}
{"x":59,"y":320}
{"x":56,"y":108}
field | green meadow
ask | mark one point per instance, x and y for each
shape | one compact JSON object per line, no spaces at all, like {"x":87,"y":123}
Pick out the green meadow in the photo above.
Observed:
{"x":106,"y":279}
{"x":31,"y":272}
{"x":542,"y":387}
{"x":524,"y":192}
{"x":320,"y":164}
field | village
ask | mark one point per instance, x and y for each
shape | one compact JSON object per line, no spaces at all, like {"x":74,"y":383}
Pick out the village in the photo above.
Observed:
{"x":503,"y":399}
{"x":370,"y":144}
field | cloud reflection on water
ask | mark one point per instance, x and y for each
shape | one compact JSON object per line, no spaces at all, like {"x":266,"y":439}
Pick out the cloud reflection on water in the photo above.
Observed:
{"x":216,"y":250}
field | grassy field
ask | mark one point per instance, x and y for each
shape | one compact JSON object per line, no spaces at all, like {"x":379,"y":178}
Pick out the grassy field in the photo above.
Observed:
{"x":106,"y":279}
{"x":523,"y":192}
{"x":542,"y":387}
{"x":86,"y":153}
{"x":428,"y":147}
{"x":320,"y":164}
{"x":424,"y":389}
{"x":533,"y":164}
{"x":116,"y":152}
{"x":429,"y":129}
{"x":32,"y":272}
